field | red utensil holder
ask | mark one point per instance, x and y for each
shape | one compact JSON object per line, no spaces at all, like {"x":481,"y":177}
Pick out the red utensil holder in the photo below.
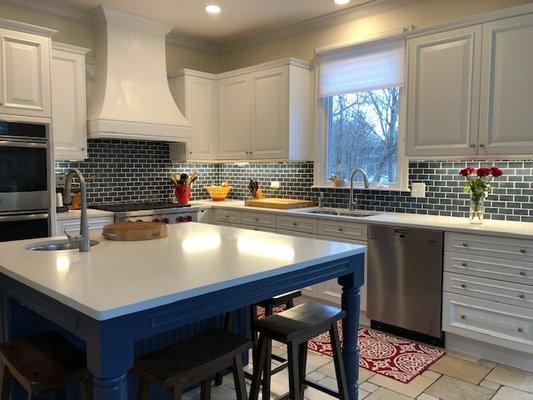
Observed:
{"x":183,"y":194}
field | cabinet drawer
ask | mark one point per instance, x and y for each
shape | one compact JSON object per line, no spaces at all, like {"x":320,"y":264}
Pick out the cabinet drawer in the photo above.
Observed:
{"x":72,"y":226}
{"x":487,"y":267}
{"x":258,"y":219}
{"x":298,"y":224}
{"x":228,"y":216}
{"x":257,"y":228}
{"x":490,"y":246}
{"x":297,"y":234}
{"x":488,"y":321}
{"x":345,"y":230}
{"x":489,"y":289}
{"x":330,"y":291}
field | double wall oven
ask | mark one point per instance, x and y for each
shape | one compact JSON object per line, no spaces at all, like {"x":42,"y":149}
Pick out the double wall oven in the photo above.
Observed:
{"x":24,"y":180}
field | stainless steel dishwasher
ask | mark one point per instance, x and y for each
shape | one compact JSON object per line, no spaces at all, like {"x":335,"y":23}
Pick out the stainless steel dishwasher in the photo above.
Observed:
{"x":405,"y":280}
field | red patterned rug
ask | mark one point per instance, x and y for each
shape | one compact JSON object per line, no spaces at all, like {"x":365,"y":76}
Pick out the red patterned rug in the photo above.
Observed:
{"x":394,"y":357}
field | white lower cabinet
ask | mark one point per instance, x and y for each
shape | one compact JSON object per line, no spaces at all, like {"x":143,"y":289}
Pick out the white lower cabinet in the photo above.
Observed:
{"x":72,"y":226}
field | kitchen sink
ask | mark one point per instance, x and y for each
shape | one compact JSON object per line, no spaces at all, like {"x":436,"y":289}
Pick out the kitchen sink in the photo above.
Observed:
{"x":341,"y":212}
{"x":56,"y":245}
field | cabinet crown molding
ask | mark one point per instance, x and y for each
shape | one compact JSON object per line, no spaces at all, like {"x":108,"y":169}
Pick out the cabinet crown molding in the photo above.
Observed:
{"x":27,"y":28}
{"x":267,"y":65}
{"x":69,"y":48}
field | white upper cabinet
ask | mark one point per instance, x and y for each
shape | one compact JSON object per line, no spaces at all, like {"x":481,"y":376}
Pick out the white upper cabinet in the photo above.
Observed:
{"x":234,"y":119}
{"x":194,"y":93}
{"x":443,"y":93}
{"x":25,"y":71}
{"x":69,"y":107}
{"x":269,"y":113}
{"x":507,"y":87}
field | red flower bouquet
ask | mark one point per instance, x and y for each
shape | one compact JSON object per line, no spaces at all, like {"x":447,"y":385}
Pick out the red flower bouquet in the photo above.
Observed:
{"x":478,"y":185}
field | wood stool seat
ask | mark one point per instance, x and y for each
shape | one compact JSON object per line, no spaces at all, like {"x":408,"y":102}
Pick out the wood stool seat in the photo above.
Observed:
{"x":295,"y":327}
{"x":42,"y":363}
{"x":194,"y":360}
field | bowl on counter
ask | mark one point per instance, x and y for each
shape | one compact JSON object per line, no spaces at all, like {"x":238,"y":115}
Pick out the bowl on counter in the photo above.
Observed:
{"x":218,"y":193}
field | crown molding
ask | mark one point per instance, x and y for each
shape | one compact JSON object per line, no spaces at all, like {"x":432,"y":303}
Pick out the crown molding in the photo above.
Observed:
{"x":50,"y":7}
{"x":28,"y":28}
{"x":192,"y":43}
{"x":69,"y":48}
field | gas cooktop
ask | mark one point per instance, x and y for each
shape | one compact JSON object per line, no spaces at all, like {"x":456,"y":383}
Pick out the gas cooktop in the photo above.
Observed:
{"x":139,"y":206}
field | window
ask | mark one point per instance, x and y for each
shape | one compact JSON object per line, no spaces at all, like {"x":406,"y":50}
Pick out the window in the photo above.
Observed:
{"x":360,"y":88}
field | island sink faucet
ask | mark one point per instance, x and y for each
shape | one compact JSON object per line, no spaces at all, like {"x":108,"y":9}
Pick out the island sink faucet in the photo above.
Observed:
{"x":84,"y":239}
{"x":365,"y":179}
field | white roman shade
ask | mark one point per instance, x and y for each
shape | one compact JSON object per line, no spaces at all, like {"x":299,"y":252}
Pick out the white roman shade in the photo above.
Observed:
{"x":357,"y":68}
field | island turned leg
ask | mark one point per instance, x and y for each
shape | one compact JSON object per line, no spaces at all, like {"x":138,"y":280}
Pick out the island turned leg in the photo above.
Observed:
{"x":350,"y":325}
{"x":109,"y":357}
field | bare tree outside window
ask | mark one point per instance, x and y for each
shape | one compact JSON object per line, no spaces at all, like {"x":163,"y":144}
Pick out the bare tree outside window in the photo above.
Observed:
{"x":363,"y":132}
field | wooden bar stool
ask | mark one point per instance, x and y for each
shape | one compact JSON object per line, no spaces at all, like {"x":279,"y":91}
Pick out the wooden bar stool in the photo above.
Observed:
{"x":287,"y":300}
{"x":295,"y":327}
{"x":43,"y":363}
{"x":194,"y":360}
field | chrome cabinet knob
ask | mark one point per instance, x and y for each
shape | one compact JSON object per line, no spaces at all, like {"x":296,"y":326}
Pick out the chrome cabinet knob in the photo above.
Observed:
{"x":523,"y":251}
{"x":464,"y":264}
{"x":463,"y":286}
{"x":463,"y":316}
{"x":522,"y":296}
{"x":481,"y":145}
{"x":522,"y":273}
{"x":520,"y":330}
{"x":340,"y":229}
{"x":465,"y":244}
{"x":472,"y":145}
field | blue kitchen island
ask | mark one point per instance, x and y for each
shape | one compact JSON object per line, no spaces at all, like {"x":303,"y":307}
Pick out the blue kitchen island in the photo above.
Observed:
{"x":122,"y":293}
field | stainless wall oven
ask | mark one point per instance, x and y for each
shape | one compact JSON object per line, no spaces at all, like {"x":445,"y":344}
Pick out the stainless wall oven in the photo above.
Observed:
{"x":25,"y":165}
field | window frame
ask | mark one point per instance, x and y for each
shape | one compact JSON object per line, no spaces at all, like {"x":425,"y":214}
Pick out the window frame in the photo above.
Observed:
{"x":321,"y":147}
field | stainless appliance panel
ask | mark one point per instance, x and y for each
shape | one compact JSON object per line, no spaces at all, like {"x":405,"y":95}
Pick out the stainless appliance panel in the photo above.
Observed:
{"x":19,"y":226}
{"x":405,"y":278}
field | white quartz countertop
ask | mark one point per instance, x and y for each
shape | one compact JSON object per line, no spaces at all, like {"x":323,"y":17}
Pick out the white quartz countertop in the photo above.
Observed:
{"x":75,"y":214}
{"x":523,"y":230}
{"x":118,"y":278}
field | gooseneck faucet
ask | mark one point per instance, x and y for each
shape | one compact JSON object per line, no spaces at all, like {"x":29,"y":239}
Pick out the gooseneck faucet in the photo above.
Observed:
{"x":365,"y":179}
{"x":84,"y":239}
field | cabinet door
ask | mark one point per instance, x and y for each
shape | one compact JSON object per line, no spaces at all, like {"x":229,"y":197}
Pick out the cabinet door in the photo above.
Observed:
{"x":234,"y":118}
{"x":507,"y":87}
{"x":25,"y":69}
{"x":443,"y":93}
{"x":68,"y":106}
{"x":200,"y":111}
{"x":270,"y":125}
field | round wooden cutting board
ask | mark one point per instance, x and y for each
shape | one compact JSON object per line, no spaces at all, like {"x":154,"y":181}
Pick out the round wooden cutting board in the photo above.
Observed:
{"x":129,"y":231}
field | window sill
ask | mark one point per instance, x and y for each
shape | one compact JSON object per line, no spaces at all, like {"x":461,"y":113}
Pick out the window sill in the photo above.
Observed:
{"x":360,"y":187}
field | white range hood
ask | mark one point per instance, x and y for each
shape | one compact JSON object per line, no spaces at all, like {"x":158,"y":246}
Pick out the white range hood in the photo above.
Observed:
{"x":130,"y":98}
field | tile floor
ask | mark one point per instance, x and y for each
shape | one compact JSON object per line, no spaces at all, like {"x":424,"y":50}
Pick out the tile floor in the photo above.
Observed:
{"x":454,"y":377}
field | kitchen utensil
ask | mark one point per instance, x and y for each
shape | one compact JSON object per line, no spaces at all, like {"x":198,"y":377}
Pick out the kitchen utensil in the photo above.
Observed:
{"x":130,"y":231}
{"x":283,"y":204}
{"x":218,"y":193}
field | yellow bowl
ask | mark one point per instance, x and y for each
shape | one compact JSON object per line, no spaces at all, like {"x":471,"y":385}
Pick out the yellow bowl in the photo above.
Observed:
{"x":218,"y":193}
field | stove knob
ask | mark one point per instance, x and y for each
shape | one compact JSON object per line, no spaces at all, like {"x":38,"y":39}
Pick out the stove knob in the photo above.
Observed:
{"x":188,"y":218}
{"x":166,"y":220}
{"x":156,"y":220}
{"x":179,"y":219}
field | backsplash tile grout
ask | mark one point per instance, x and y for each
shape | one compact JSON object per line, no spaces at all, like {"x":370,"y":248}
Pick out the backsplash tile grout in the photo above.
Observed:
{"x":133,"y":171}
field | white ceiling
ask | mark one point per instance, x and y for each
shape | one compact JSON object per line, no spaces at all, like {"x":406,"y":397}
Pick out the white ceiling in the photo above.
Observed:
{"x":238,"y":19}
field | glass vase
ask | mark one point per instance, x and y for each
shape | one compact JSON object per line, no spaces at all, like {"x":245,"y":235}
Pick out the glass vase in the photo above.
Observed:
{"x":477,"y":210}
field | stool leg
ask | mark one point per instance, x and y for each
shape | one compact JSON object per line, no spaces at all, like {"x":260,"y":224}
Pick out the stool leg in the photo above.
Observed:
{"x":302,"y":359}
{"x":5,"y":382}
{"x":61,"y":394}
{"x":142,"y":391}
{"x":259,"y":360}
{"x":253,"y":317}
{"x":238,"y":378}
{"x":87,"y":389}
{"x":205,"y":391}
{"x":267,"y":369}
{"x":294,"y":374}
{"x":337,"y":360}
{"x":175,"y":393}
{"x":290,"y":304}
{"x":228,"y":327}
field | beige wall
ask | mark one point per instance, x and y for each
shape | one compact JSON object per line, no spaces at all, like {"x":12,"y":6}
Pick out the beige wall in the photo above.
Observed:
{"x":419,"y":13}
{"x":79,"y":33}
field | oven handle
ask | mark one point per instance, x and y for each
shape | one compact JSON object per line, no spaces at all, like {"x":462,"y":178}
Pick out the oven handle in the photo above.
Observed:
{"x":9,"y":143}
{"x":23,"y":217}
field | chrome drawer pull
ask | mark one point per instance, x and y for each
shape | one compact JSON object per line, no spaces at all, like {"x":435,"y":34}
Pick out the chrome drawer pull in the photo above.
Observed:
{"x":463,"y":286}
{"x":520,"y":330}
{"x":521,"y":296}
{"x":464,"y":264}
{"x":523,"y":251}
{"x":465,"y":244}
{"x":522,"y":273}
{"x":463,"y":316}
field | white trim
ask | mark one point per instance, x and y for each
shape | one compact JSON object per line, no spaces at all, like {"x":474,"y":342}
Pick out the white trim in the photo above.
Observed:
{"x":192,"y":43}
{"x":50,"y":7}
{"x":267,"y":65}
{"x":129,"y":20}
{"x":27,"y":28}
{"x":69,"y":48}
{"x":192,"y":72}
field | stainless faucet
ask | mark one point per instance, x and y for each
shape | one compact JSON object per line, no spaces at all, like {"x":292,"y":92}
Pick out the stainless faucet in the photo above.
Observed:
{"x":365,"y":179}
{"x":321,"y":200}
{"x":84,"y":239}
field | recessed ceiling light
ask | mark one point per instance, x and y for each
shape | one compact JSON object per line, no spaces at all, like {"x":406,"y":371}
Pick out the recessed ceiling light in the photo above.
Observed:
{"x":342,"y":2}
{"x":214,"y":9}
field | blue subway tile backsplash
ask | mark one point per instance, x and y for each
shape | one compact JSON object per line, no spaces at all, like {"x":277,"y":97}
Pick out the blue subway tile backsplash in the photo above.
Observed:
{"x":133,"y":171}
